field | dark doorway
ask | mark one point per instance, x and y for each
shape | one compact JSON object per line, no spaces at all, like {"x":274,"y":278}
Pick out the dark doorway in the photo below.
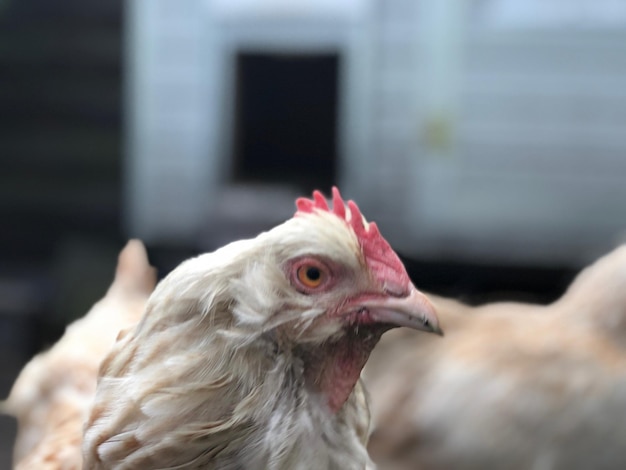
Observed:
{"x":286,"y":119}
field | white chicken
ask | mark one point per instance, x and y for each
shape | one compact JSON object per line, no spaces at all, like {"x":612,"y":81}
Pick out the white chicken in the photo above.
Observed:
{"x":250,"y":357}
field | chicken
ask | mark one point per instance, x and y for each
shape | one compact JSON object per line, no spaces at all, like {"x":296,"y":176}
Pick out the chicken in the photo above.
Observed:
{"x":246,"y":358}
{"x":513,"y":386}
{"x":53,"y":394}
{"x":250,"y":356}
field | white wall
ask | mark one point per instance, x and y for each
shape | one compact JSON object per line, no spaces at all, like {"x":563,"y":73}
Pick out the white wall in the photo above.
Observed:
{"x":538,"y":167}
{"x":463,"y":132}
{"x":180,"y":100}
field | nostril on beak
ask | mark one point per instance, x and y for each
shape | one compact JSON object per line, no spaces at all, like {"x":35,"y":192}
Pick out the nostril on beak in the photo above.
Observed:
{"x":394,"y":290}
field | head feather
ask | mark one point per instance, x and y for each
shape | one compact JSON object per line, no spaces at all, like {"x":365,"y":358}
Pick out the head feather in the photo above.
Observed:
{"x":379,"y":255}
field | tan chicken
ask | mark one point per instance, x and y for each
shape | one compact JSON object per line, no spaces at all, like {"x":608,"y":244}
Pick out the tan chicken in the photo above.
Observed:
{"x":249,"y":357}
{"x":511,"y":386}
{"x":245,"y":358}
{"x":54,"y":392}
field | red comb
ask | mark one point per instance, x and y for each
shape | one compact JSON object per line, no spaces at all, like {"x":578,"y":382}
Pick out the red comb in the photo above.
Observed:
{"x":379,"y":255}
{"x":318,"y":202}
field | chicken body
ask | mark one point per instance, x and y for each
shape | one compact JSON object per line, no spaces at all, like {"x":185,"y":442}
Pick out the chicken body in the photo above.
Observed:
{"x":54,"y":392}
{"x":512,"y":386}
{"x":249,"y":357}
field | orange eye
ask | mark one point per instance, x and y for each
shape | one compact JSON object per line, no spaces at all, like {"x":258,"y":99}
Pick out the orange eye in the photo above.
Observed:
{"x":310,"y":275}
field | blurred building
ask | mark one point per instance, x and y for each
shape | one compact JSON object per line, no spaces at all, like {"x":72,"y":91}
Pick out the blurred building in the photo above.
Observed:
{"x":477,"y":130}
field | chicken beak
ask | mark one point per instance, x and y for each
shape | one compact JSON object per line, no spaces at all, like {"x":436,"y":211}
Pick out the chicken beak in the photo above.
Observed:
{"x":413,"y":311}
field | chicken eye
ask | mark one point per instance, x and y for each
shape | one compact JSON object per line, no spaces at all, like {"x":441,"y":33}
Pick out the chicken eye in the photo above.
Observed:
{"x":310,"y":276}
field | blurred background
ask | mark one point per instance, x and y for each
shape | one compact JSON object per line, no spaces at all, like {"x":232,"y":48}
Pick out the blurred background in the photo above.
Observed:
{"x":486,"y":137}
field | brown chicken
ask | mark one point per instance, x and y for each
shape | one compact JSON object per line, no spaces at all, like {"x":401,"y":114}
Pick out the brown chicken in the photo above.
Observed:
{"x":54,"y":392}
{"x":511,"y":386}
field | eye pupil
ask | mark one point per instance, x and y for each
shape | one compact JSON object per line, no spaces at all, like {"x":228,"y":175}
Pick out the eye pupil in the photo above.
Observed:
{"x":313,"y":273}
{"x":311,"y":276}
